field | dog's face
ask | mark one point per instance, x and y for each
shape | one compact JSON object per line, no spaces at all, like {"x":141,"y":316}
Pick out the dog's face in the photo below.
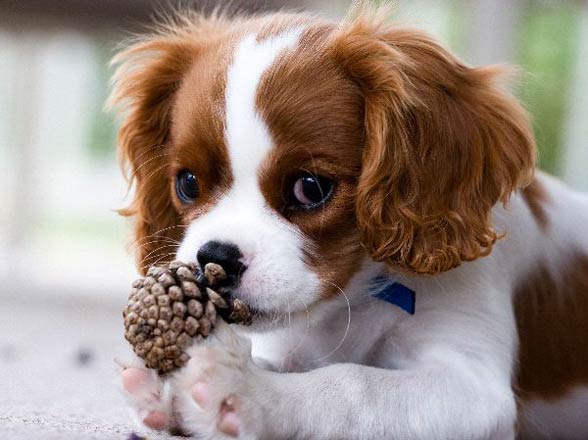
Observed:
{"x":268,"y":167}
{"x":292,"y":150}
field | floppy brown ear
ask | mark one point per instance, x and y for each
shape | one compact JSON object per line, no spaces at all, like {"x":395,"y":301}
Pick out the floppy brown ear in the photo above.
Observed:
{"x":148,"y":74}
{"x":444,"y":144}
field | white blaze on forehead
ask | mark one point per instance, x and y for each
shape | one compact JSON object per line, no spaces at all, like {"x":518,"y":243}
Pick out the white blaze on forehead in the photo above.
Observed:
{"x":248,"y":138}
{"x":277,"y":278}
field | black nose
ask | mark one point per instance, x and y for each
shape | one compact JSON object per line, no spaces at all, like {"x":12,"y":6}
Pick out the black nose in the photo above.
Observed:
{"x":225,"y":254}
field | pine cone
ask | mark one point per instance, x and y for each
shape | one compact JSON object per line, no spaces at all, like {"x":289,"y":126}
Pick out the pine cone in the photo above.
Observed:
{"x":173,"y":305}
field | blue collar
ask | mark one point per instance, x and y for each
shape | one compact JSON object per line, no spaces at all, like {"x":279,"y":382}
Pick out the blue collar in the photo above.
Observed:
{"x":393,"y":293}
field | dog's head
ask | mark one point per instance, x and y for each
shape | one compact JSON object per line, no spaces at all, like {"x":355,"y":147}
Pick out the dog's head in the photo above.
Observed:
{"x":293,"y":150}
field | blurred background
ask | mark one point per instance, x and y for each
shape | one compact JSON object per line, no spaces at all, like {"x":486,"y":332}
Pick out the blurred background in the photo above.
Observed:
{"x":65,"y":262}
{"x":59,"y":176}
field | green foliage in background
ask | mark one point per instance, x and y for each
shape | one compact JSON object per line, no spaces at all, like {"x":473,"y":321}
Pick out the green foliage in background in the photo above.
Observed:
{"x":545,"y":52}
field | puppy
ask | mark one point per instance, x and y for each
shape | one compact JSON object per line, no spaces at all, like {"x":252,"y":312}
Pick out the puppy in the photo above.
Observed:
{"x":367,"y":186}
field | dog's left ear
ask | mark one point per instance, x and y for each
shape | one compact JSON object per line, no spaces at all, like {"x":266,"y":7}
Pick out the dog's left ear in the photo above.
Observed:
{"x":444,"y":144}
{"x":146,"y":81}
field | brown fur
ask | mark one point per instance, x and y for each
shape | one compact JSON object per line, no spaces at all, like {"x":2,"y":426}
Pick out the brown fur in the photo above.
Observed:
{"x":197,"y":141}
{"x":145,"y":84}
{"x":317,"y":128}
{"x":444,"y":145}
{"x":551,"y":307}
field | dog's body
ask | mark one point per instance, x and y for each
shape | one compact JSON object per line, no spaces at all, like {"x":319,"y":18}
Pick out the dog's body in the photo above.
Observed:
{"x":235,"y":127}
{"x":544,"y":276}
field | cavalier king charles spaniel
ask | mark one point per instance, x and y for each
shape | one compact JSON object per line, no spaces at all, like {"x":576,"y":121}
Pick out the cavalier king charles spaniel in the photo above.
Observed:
{"x":410,"y":274}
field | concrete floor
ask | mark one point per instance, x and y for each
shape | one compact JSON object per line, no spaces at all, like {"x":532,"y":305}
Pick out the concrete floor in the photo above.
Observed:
{"x":58,"y":379}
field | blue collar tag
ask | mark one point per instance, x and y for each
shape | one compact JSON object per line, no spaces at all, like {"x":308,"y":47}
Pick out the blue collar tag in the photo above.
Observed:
{"x":394,"y":293}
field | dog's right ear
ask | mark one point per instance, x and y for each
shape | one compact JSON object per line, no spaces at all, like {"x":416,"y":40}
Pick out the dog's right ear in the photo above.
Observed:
{"x":148,"y":74}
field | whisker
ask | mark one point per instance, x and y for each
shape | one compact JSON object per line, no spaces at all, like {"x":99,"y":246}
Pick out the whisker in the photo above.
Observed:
{"x":145,"y":266}
{"x":159,"y":231}
{"x":151,"y":159}
{"x":147,"y":151}
{"x":346,"y":328}
{"x":157,"y":249}
{"x":155,"y":171}
{"x":163,"y":239}
{"x":291,"y":352}
{"x":289,"y":313}
{"x":163,"y":247}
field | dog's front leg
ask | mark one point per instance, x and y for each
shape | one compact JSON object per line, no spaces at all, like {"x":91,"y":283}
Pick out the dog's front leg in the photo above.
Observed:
{"x":222,"y":393}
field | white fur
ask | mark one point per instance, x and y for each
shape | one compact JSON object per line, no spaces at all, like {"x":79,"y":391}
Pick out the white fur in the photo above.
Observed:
{"x":277,"y":278}
{"x":247,"y":136}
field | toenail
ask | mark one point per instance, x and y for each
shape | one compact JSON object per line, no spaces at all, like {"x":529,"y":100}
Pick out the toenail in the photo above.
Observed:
{"x":229,"y":402}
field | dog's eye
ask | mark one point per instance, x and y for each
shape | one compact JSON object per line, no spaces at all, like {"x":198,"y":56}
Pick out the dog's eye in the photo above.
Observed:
{"x":310,"y":191}
{"x":186,"y":186}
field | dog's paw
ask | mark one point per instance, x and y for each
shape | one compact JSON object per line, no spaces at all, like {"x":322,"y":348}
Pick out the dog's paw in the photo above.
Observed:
{"x":145,"y":392}
{"x":213,"y":393}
